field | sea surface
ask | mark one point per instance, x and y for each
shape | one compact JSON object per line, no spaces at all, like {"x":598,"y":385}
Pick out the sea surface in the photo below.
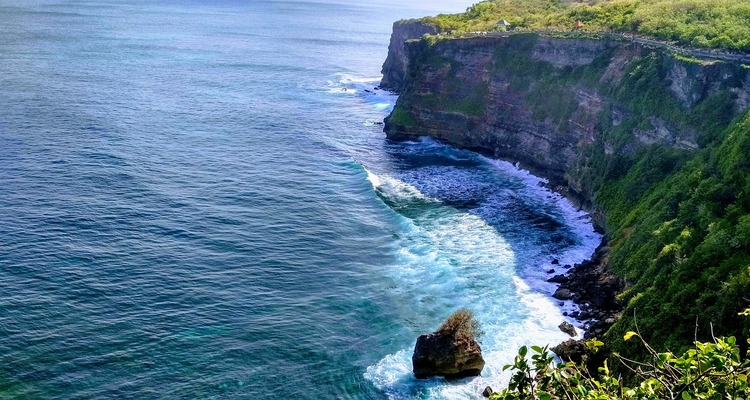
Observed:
{"x":197,"y":202}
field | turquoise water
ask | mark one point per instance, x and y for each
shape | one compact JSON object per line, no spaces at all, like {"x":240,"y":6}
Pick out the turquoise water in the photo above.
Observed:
{"x":192,"y":206}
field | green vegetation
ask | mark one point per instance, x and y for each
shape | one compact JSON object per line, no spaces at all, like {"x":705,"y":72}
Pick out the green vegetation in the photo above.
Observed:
{"x":710,"y":370}
{"x":678,"y":213}
{"x":400,"y":116}
{"x":722,"y":24}
{"x":679,"y":219}
{"x":461,"y":324}
{"x":684,"y":242}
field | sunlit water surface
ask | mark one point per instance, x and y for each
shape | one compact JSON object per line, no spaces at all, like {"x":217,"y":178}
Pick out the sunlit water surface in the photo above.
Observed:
{"x":197,"y":201}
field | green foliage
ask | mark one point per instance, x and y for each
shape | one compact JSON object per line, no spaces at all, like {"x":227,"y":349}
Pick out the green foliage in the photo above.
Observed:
{"x":461,"y":324}
{"x":722,"y":24}
{"x":709,"y":370}
{"x":402,"y":117}
{"x":683,"y":241}
{"x":484,"y":15}
{"x":679,"y":219}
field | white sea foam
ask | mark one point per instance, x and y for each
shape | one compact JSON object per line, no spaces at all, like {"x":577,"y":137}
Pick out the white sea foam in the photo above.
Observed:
{"x":393,"y":190}
{"x":357,"y":79}
{"x":374,"y":179}
{"x":450,"y":259}
{"x":577,"y":220}
{"x":364,"y":88}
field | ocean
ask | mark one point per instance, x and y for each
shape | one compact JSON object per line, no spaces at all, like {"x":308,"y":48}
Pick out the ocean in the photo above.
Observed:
{"x":197,"y":201}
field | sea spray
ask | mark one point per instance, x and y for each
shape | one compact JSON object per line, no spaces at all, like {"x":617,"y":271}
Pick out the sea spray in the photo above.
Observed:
{"x":453,"y":254}
{"x":474,"y":232}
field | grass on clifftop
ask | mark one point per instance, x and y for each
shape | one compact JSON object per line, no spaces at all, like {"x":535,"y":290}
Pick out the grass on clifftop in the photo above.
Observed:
{"x":721,"y":24}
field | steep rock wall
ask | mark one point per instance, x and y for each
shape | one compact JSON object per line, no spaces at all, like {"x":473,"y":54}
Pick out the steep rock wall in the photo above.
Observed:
{"x":574,"y":110}
{"x":396,"y":64}
{"x":653,"y":143}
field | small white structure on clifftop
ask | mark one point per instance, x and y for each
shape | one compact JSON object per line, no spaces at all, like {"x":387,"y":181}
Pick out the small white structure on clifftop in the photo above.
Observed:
{"x":503,"y":25}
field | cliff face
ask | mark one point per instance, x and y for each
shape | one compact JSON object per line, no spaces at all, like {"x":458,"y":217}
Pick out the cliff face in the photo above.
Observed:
{"x":654,"y":144}
{"x":395,"y":66}
{"x":562,"y":107}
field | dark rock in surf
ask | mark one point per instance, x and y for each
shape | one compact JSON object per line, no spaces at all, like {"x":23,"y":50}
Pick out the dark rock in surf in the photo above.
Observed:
{"x":563,"y":294}
{"x":568,"y":328}
{"x":572,"y":350}
{"x":444,"y":354}
{"x":558,"y":279}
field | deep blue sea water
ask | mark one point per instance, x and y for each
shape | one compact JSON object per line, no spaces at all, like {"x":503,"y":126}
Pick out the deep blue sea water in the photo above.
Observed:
{"x":196,"y":201}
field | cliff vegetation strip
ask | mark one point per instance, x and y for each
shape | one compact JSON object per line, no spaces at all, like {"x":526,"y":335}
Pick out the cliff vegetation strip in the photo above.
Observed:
{"x":719,"y":24}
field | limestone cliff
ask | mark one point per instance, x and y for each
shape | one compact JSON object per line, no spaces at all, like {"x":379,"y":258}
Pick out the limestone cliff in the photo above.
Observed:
{"x":395,"y":66}
{"x":570,"y":109}
{"x":654,"y":142}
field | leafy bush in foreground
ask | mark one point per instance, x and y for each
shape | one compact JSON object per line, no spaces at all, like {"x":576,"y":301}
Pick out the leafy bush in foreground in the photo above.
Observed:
{"x":710,"y":370}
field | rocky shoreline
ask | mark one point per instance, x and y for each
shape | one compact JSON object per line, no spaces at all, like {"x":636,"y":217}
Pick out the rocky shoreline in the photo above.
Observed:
{"x":589,"y":284}
{"x":594,"y":289}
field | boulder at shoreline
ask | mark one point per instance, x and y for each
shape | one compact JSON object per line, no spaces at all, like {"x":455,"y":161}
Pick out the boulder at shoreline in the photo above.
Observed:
{"x":444,"y":354}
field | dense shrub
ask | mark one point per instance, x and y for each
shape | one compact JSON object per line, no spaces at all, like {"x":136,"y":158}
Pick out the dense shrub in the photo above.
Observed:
{"x":461,"y":324}
{"x":683,"y":245}
{"x":709,"y":370}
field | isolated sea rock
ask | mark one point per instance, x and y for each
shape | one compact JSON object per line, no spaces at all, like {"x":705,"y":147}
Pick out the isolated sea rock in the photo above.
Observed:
{"x":444,"y":354}
{"x":568,"y":328}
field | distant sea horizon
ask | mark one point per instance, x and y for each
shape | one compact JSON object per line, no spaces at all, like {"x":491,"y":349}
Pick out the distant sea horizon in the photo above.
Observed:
{"x":197,"y":201}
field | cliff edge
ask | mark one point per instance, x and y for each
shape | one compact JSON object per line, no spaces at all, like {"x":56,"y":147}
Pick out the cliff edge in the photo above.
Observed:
{"x":397,"y":62}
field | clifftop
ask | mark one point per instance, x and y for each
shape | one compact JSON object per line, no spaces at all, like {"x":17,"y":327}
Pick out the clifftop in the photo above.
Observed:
{"x":721,"y":24}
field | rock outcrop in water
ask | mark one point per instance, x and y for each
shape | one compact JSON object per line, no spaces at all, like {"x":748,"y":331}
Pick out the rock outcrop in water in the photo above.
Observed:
{"x":443,"y":354}
{"x":452,"y":351}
